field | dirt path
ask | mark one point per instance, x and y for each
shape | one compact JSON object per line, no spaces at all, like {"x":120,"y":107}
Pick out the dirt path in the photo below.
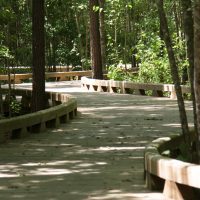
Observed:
{"x":97,"y":156}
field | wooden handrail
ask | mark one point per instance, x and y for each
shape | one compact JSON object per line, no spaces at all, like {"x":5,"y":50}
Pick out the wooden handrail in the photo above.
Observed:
{"x":177,"y":178}
{"x":18,"y":127}
{"x":125,"y":87}
{"x":60,"y":76}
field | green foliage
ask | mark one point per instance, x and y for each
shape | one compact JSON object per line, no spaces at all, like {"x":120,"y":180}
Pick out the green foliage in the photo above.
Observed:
{"x":15,"y":107}
{"x":132,"y":27}
{"x":86,"y":64}
{"x":154,"y":64}
{"x":117,"y":73}
{"x":4,"y":52}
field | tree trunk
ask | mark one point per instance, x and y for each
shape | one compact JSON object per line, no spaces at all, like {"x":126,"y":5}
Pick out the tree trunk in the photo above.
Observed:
{"x":38,"y":49}
{"x":54,"y":47}
{"x":102,"y":33}
{"x":80,"y":45}
{"x":189,"y":36}
{"x":174,"y":73}
{"x":197,"y":64}
{"x":95,"y":40}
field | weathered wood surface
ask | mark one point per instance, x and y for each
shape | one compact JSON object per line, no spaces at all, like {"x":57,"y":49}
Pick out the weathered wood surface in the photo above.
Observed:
{"x":24,"y":125}
{"x":128,"y":87}
{"x":177,"y":177}
{"x":59,"y":76}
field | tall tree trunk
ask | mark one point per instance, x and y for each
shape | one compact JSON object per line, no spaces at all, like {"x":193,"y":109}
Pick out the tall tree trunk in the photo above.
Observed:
{"x":54,"y":47}
{"x":126,"y":31}
{"x":86,"y":25}
{"x":38,"y":49}
{"x":174,"y":73}
{"x":80,"y":45}
{"x":176,"y":17}
{"x":102,"y":33}
{"x":197,"y":64}
{"x":189,"y":36}
{"x":95,"y":40}
{"x":188,"y":23}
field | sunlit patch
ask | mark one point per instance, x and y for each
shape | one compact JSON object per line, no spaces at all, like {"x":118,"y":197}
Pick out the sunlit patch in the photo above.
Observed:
{"x":5,"y":175}
{"x":135,"y":158}
{"x":33,"y":164}
{"x":7,"y":167}
{"x":119,"y":148}
{"x":3,"y":187}
{"x":55,"y":163}
{"x":85,"y":165}
{"x":124,"y":125}
{"x":40,"y":150}
{"x":35,"y":181}
{"x":117,"y":194}
{"x":49,"y":172}
{"x":125,"y":174}
{"x":173,"y":125}
{"x":101,"y":163}
{"x":57,"y":131}
{"x":88,"y":172}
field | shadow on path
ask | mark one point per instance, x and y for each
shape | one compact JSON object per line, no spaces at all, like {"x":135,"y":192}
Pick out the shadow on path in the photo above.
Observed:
{"x":97,"y":156}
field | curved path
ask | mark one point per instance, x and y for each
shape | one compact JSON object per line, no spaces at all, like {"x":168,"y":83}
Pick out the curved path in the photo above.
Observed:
{"x":97,"y":156}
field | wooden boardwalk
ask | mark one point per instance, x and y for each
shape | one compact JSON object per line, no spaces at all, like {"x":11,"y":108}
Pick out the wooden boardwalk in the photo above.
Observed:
{"x":97,"y":156}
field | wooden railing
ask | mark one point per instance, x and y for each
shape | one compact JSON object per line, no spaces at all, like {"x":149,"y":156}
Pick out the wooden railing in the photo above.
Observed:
{"x":179,"y":180}
{"x":58,"y":76}
{"x":128,"y":87}
{"x":64,"y":108}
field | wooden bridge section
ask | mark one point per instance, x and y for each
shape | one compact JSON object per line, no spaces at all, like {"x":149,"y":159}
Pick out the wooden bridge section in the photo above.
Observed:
{"x":97,"y":156}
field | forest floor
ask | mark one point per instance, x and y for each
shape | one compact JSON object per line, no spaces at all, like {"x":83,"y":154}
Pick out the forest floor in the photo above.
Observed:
{"x":97,"y":156}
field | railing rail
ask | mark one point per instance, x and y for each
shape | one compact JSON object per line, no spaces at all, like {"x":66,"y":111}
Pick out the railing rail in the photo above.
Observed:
{"x":177,"y":178}
{"x":20,"y":126}
{"x":130,"y":87}
{"x":59,"y":76}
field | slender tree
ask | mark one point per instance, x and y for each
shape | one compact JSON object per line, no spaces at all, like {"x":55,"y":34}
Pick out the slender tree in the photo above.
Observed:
{"x":188,"y":23}
{"x":38,"y":49}
{"x":189,"y":36}
{"x":95,"y":44}
{"x":197,"y":63}
{"x":102,"y":32}
{"x":174,"y":72}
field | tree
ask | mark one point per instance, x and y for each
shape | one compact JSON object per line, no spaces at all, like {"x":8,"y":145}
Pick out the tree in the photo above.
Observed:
{"x":102,"y":32}
{"x":95,"y":44}
{"x":189,"y":36}
{"x":197,"y":64}
{"x":38,"y":49}
{"x":188,"y":23}
{"x":175,"y":75}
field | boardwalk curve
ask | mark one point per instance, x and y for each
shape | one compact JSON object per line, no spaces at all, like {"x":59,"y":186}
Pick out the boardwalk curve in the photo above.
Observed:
{"x":98,"y":156}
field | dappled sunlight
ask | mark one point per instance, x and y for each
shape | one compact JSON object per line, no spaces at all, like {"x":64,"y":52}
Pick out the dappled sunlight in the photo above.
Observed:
{"x":119,"y":148}
{"x":55,"y":163}
{"x":117,"y":194}
{"x":173,"y":125}
{"x":96,"y":156}
{"x":48,"y":172}
{"x":125,"y":108}
{"x":45,"y":168}
{"x":6,"y":175}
